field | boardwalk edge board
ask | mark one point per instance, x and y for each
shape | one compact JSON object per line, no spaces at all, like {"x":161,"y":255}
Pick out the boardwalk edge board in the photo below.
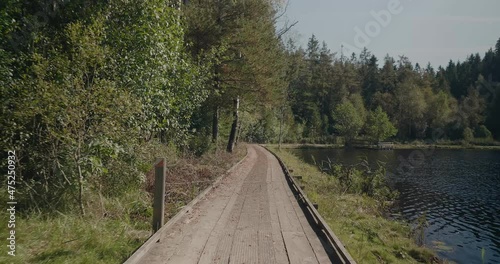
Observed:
{"x":337,"y":244}
{"x":142,"y":250}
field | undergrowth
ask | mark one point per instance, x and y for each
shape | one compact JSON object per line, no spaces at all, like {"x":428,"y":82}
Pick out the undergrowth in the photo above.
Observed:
{"x":113,"y":226}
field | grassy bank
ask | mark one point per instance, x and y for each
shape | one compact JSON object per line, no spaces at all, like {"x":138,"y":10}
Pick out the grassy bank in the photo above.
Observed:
{"x":70,"y":238}
{"x":305,"y":146}
{"x":357,"y":220}
{"x":112,"y":227}
{"x":445,"y":146}
{"x":412,"y":145}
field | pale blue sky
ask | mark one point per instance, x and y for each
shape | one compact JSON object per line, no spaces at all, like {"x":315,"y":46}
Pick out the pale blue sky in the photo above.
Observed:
{"x":425,"y":30}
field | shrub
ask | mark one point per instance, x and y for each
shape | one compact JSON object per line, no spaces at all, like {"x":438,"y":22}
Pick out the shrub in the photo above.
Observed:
{"x":362,"y":179}
{"x":468,"y":135}
{"x":378,"y":127}
{"x":483,"y":132}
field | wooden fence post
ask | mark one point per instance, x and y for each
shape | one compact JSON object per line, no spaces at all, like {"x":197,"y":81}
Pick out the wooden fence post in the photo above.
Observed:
{"x":159,"y":194}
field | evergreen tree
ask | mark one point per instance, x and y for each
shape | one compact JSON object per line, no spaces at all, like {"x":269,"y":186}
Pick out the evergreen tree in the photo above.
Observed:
{"x":388,"y":76}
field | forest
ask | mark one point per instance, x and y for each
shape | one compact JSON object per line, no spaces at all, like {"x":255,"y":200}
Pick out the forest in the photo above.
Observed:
{"x":92,"y":91}
{"x":358,"y":96}
{"x":88,"y":87}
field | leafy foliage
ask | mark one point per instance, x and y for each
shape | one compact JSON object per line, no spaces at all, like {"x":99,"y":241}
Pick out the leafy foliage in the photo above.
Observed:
{"x":482,"y":132}
{"x":249,"y":63}
{"x":348,"y":120}
{"x":468,"y":135}
{"x":378,"y":127}
{"x":83,"y":99}
{"x":150,"y":61}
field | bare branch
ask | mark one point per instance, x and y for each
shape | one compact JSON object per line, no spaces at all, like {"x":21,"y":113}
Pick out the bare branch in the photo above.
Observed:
{"x":286,"y":29}
{"x":283,"y":13}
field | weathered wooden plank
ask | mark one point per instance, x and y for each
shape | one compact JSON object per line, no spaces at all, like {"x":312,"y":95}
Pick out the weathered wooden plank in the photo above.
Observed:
{"x":265,"y":234}
{"x":341,"y":253}
{"x":314,"y":241}
{"x":210,"y":248}
{"x":277,"y":238}
{"x":297,"y":245}
{"x":243,"y":216}
{"x":298,"y":248}
{"x":225,"y":241}
{"x":245,"y":246}
{"x":196,"y":238}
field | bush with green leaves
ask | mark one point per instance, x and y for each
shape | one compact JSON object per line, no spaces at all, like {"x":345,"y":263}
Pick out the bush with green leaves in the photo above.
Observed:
{"x":483,"y":132}
{"x":348,"y":120}
{"x":378,"y":127}
{"x":89,"y":95}
{"x":362,"y":179}
{"x":150,"y":60}
{"x":468,"y":135}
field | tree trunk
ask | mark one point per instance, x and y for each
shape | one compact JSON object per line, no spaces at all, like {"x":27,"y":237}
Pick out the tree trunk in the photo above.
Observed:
{"x":163,"y":136}
{"x":234,"y":127}
{"x":282,"y":119}
{"x":280,"y":134}
{"x":215,"y":124}
{"x":215,"y":120}
{"x":238,"y":132}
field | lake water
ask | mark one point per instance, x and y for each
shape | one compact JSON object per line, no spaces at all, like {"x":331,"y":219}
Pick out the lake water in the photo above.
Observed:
{"x":459,"y":190}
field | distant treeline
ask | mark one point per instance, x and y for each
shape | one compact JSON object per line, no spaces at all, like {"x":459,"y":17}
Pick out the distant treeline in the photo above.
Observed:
{"x":352,"y":96}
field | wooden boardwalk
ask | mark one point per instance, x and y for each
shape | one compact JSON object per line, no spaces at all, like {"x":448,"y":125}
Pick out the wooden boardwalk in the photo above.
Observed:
{"x":251,"y":217}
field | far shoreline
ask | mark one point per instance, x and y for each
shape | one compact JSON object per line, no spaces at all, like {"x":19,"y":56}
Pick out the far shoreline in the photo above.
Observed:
{"x":396,"y":146}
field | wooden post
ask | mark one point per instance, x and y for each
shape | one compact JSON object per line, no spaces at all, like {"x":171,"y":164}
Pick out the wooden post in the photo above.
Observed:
{"x":159,"y":195}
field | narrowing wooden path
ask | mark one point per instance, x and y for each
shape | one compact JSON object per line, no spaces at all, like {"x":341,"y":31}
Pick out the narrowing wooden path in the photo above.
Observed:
{"x":254,"y":215}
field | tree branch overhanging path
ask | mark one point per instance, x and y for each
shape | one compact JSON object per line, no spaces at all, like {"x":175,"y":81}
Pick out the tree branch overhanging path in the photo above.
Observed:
{"x":248,"y":63}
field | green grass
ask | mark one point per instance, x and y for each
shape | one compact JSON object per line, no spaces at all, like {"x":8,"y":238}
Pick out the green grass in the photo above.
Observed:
{"x":439,"y":146}
{"x":356,"y":220}
{"x":305,"y":146}
{"x":475,"y":144}
{"x":70,"y":238}
{"x":485,"y":144}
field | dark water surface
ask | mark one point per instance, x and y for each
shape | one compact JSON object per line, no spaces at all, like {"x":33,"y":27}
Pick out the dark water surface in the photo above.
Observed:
{"x":459,"y":190}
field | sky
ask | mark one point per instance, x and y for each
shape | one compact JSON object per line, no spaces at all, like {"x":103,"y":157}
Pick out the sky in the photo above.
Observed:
{"x":425,"y":31}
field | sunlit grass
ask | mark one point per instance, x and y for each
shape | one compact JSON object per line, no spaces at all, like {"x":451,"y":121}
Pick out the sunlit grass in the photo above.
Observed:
{"x":70,"y":238}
